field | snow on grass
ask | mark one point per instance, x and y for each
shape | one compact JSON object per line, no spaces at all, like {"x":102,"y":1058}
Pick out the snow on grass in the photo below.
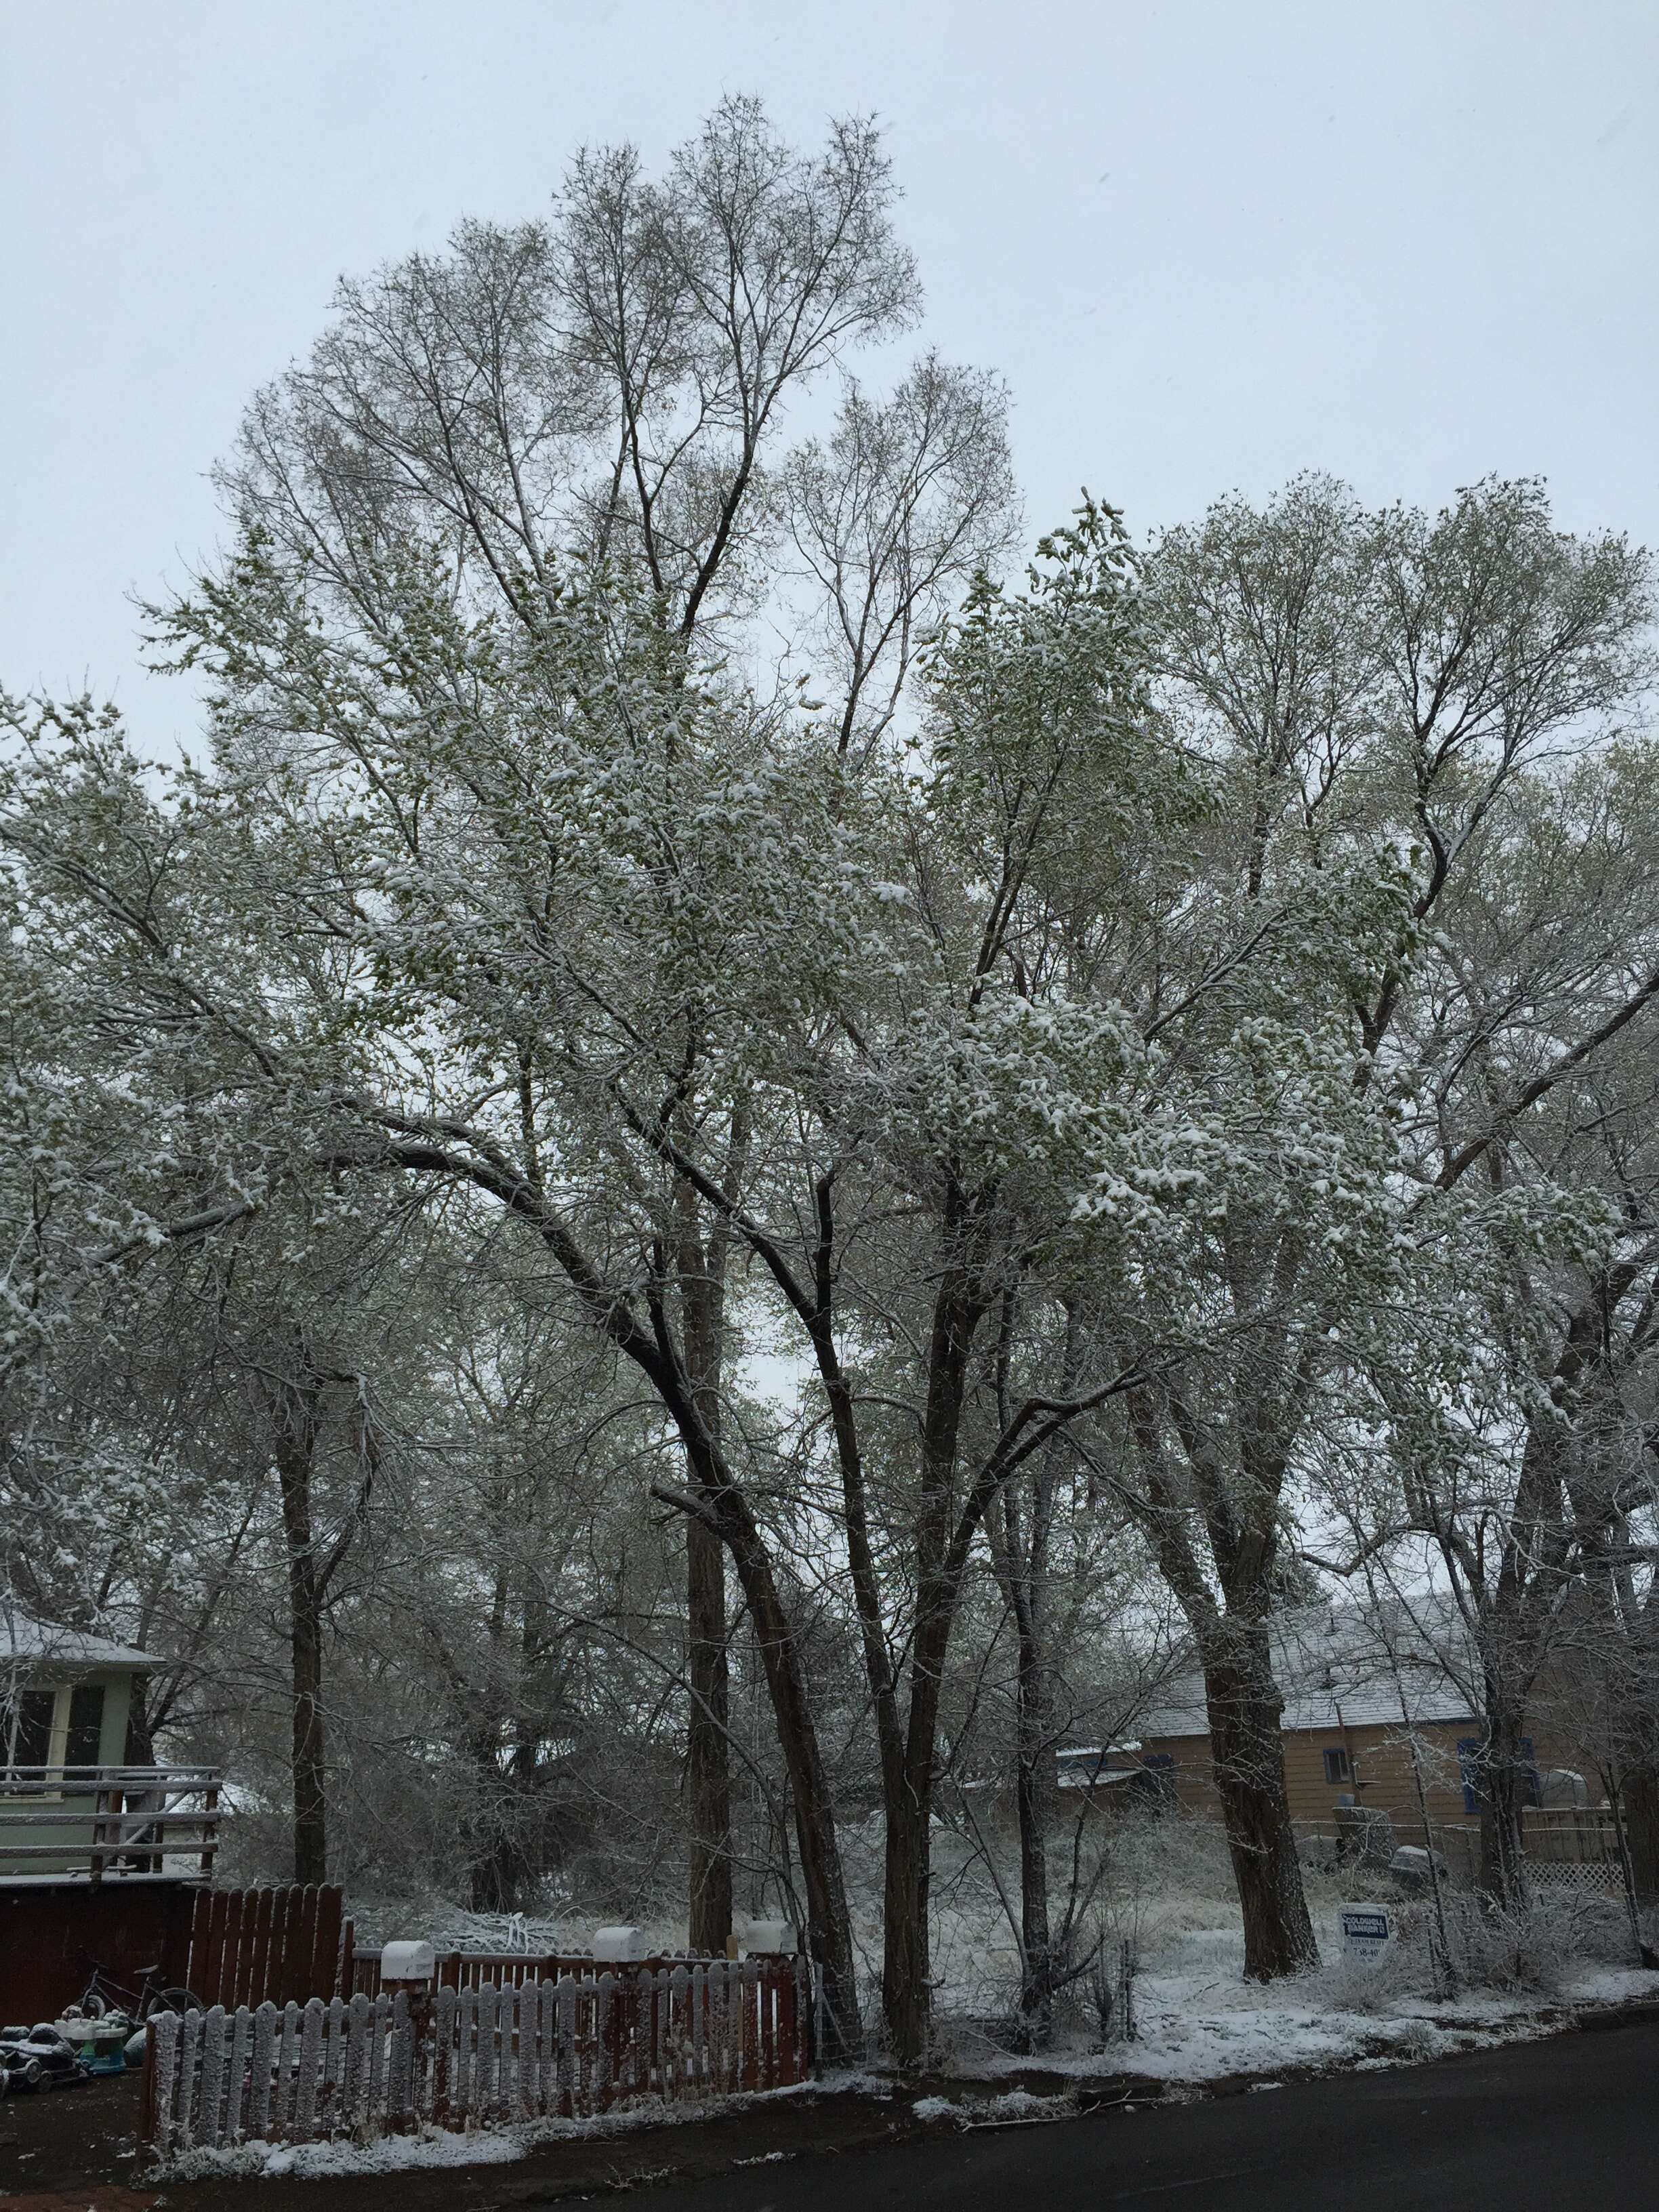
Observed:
{"x":1612,"y":1985}
{"x":498,"y":2145}
{"x":1165,"y":1886}
{"x":1198,"y":2020}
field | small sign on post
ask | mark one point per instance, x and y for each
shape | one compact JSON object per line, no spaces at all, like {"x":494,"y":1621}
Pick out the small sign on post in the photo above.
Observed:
{"x":1367,"y":1930}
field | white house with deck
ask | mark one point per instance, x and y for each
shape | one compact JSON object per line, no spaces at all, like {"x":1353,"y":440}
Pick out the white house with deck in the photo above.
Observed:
{"x":71,"y":1808}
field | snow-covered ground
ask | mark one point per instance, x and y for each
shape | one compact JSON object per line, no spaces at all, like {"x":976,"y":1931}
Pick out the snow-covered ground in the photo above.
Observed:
{"x":1166,"y":1890}
{"x":1163,"y":1888}
{"x":1194,"y":2025}
{"x":433,"y":2146}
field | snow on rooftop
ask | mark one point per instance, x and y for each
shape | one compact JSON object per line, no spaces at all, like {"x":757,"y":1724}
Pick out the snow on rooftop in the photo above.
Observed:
{"x":25,"y":1640}
{"x":1339,"y":1667}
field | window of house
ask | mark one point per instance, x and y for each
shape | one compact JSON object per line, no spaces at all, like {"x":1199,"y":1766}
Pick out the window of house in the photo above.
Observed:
{"x":1153,"y":1783}
{"x":1468,"y":1771}
{"x":86,"y":1725}
{"x":26,"y":1727}
{"x":1471,"y":1758}
{"x":1338,"y":1767}
{"x":58,"y":1727}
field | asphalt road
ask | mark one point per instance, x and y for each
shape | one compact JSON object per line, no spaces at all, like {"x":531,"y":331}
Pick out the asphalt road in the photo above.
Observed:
{"x":1542,"y":2127}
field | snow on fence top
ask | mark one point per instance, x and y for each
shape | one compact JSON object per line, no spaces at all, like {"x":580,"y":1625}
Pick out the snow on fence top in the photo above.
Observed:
{"x":476,"y":1970}
{"x":386,"y":2065}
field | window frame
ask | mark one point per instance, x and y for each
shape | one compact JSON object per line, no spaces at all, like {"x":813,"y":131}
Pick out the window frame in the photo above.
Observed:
{"x":62,"y":1696}
{"x":81,"y":1690}
{"x":1338,"y":1765}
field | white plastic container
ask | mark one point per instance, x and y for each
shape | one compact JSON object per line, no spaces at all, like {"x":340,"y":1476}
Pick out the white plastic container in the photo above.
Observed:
{"x":97,"y":2035}
{"x":770,"y":1937}
{"x":616,"y":1946}
{"x":407,"y":1962}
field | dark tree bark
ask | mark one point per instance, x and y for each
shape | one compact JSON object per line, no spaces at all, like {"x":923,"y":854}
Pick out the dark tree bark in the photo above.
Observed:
{"x":702,"y":1268}
{"x":1641,"y":1791}
{"x":945,"y":1526}
{"x":493,"y":1877}
{"x":830,"y":1940}
{"x":906,"y":1973}
{"x":1236,"y":1508}
{"x":1502,"y":1790}
{"x":708,"y":1780}
{"x":1020,"y":1538}
{"x":296,"y":1443}
{"x":1245,"y":1707}
{"x":294,"y":1406}
{"x":1033,"y":1808}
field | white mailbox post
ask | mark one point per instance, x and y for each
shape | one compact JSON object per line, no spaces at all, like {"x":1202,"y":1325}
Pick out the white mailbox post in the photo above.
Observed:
{"x":409,"y":1969}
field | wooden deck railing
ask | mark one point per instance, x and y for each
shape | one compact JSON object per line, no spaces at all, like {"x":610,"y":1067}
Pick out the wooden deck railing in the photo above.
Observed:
{"x":108,"y":1821}
{"x":1570,"y":1835}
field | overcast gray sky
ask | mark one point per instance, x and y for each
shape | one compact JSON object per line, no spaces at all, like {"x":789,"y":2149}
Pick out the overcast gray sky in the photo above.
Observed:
{"x":1208,"y":245}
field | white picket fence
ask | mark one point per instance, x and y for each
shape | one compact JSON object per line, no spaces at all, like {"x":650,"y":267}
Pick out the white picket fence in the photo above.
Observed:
{"x":369,"y":2067}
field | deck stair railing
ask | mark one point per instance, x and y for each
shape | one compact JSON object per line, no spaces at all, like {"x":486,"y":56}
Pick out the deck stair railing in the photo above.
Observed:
{"x":109,"y":1820}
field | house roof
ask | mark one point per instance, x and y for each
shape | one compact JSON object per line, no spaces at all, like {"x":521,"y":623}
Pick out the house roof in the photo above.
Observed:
{"x":1339,"y":1668}
{"x":26,"y":1642}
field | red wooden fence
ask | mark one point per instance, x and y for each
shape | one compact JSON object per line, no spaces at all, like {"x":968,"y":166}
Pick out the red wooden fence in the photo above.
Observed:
{"x":381,"y":2065}
{"x":493,"y":1970}
{"x":252,"y":1947}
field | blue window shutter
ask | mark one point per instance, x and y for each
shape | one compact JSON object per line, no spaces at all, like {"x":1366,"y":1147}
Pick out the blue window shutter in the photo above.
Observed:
{"x":1468,"y":1750}
{"x":1535,"y":1787}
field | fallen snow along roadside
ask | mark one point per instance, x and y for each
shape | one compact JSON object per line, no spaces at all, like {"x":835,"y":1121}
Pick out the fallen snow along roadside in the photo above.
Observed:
{"x":440,"y":2146}
{"x":1181,"y":2052}
{"x":1268,"y":2030}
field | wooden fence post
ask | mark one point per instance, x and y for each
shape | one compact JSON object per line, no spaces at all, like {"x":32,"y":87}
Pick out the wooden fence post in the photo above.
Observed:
{"x":146,"y":2080}
{"x":264,"y":2064}
{"x":210,"y":1826}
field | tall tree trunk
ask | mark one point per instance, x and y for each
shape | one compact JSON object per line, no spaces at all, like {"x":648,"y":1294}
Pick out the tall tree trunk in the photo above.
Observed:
{"x":294,"y":1424}
{"x":707,"y":1761}
{"x":708,"y":1780}
{"x":1033,"y":1806}
{"x":491,"y":1876}
{"x":1241,"y":1696}
{"x":1021,"y":1556}
{"x":1245,"y":1708}
{"x":719,"y":1498}
{"x":829,"y":1929}
{"x":1642,"y":1831}
{"x":906,"y":1993}
{"x":305,"y":1640}
{"x":907,"y":1971}
{"x":1501,"y":1790}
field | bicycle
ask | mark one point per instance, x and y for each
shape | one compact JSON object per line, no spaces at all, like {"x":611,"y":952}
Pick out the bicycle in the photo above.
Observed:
{"x":104,"y":1994}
